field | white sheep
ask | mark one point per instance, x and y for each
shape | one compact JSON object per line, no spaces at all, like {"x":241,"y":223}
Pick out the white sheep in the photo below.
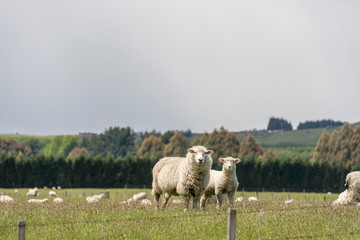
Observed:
{"x":140,"y":196}
{"x":91,"y":199}
{"x":187,"y":177}
{"x":253,"y":199}
{"x":58,"y":200}
{"x":33,"y":192}
{"x":239,"y":199}
{"x":352,"y":191}
{"x":6,"y":199}
{"x":99,"y":196}
{"x":222,"y":182}
{"x":38,"y":200}
{"x":289,"y":201}
{"x":52,"y":194}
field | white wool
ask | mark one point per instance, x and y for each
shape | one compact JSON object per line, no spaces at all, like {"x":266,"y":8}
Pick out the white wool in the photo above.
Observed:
{"x":253,"y":199}
{"x":52,"y":194}
{"x":58,"y":200}
{"x":92,"y":199}
{"x":38,"y":200}
{"x":289,"y":201}
{"x":176,"y":201}
{"x":33,"y":192}
{"x":352,"y":192}
{"x":140,"y":196}
{"x":6,"y":199}
{"x":222,"y":182}
{"x":59,"y":187}
{"x":239,"y":199}
{"x":187,"y":177}
{"x":99,"y":196}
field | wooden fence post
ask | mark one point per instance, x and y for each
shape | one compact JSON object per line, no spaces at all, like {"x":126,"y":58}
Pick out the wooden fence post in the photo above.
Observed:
{"x":21,"y":230}
{"x":231,"y":233}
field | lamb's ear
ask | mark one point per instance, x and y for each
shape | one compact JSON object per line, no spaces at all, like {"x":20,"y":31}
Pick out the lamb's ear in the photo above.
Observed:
{"x":190,"y":150}
{"x":222,"y":160}
{"x":209,"y":152}
{"x":237,"y":160}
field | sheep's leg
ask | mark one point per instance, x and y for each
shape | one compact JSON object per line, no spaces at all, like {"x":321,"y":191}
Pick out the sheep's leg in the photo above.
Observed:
{"x":195,"y":201}
{"x":203,"y":199}
{"x":219,"y":200}
{"x":166,"y":199}
{"x":186,"y":200}
{"x":231,"y":196}
{"x":157,"y":198}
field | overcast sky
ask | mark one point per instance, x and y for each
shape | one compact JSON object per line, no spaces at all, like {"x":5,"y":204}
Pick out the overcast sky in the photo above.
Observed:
{"x":83,"y":66}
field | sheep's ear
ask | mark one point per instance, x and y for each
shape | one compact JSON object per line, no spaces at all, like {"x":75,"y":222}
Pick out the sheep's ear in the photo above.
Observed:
{"x":209,"y":152}
{"x":237,"y":160}
{"x":222,"y":160}
{"x":190,"y":150}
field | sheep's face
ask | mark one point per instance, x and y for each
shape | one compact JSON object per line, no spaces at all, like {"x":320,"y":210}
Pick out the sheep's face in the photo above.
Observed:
{"x":200,"y":154}
{"x":229,"y":163}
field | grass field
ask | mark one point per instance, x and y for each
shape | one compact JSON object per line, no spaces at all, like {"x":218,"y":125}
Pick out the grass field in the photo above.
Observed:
{"x":310,"y":216}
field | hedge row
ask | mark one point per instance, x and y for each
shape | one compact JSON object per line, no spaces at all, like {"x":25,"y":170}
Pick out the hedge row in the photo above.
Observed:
{"x":100,"y":172}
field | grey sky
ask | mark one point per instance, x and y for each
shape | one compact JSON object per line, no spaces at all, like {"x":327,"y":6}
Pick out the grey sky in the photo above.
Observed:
{"x":78,"y":66}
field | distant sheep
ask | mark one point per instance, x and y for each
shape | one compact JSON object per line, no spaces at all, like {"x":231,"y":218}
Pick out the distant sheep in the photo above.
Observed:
{"x":99,"y":196}
{"x":38,"y":200}
{"x":33,"y":192}
{"x":52,"y":194}
{"x":58,"y":200}
{"x":140,"y":196}
{"x":253,"y":199}
{"x":6,"y":199}
{"x":91,"y":199}
{"x":352,"y":191}
{"x":222,"y":182}
{"x":239,"y":199}
{"x":289,"y":201}
{"x":187,"y":177}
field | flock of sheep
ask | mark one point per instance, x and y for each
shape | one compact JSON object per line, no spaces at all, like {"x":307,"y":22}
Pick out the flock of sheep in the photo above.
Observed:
{"x":192,"y":178}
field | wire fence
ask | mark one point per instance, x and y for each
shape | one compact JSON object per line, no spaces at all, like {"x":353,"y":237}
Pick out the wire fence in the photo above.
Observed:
{"x":241,"y":212}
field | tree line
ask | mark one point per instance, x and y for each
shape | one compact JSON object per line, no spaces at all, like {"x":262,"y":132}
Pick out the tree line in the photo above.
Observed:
{"x":292,"y":174}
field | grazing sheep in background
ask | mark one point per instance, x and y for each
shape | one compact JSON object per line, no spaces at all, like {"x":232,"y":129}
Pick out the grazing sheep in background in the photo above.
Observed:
{"x":140,"y":196}
{"x":222,"y":182}
{"x":59,"y":187}
{"x":239,"y":199}
{"x":352,"y":191}
{"x":52,"y":194}
{"x":92,"y":199}
{"x":253,"y":199}
{"x":187,"y":177}
{"x":16,"y":191}
{"x":289,"y":201}
{"x":33,"y":192}
{"x":38,"y":200}
{"x":6,"y":199}
{"x":58,"y":200}
{"x":99,"y":196}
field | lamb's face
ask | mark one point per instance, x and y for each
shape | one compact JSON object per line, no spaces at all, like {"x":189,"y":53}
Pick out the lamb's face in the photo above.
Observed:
{"x":229,"y":163}
{"x":199,"y":154}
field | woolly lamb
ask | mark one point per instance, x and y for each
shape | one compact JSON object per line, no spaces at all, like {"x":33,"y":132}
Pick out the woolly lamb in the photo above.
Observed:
{"x":222,"y":182}
{"x":352,"y":191}
{"x":6,"y":199}
{"x":187,"y":177}
{"x":38,"y":200}
{"x":58,"y":200}
{"x":52,"y":194}
{"x":33,"y":192}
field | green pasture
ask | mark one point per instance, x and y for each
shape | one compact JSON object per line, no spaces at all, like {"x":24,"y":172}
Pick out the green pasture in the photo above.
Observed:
{"x":310,"y":216}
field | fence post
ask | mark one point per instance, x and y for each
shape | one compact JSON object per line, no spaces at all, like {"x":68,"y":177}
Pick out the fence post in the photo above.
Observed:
{"x":231,"y":233}
{"x":21,"y":230}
